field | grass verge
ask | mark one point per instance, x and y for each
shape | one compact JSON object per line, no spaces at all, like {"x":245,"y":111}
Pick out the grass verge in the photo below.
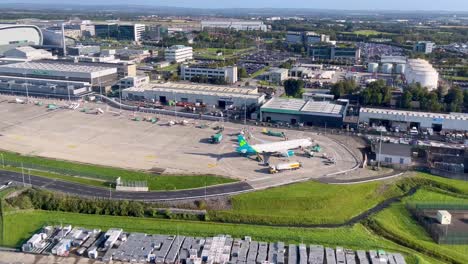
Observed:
{"x":100,"y":175}
{"x":306,"y":203}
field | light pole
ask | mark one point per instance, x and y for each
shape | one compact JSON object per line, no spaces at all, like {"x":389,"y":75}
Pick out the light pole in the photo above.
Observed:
{"x":3,"y":160}
{"x":68,"y":89}
{"x":175,"y":105}
{"x":110,"y":191}
{"x":380,"y":150}
{"x":22,"y":173}
{"x":26,"y":85}
{"x":120,"y":95}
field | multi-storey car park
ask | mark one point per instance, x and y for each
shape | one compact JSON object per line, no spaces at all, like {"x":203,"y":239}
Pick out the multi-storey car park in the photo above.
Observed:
{"x":117,"y":245}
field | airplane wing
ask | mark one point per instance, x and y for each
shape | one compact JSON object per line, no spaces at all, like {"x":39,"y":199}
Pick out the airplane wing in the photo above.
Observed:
{"x":282,"y":145}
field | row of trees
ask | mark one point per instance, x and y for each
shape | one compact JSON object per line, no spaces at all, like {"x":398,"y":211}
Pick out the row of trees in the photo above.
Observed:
{"x":44,"y":200}
{"x":414,"y":96}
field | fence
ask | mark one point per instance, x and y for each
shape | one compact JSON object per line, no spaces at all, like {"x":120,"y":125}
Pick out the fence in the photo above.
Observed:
{"x":58,"y":170}
{"x":442,"y":234}
{"x":157,"y":111}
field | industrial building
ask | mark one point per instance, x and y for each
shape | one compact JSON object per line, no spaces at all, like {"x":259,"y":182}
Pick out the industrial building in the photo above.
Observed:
{"x":13,"y":35}
{"x":236,"y":25}
{"x":425,"y":47}
{"x":308,"y":112}
{"x":406,"y":120}
{"x":229,"y":74}
{"x":26,"y":53}
{"x":332,"y":52}
{"x":43,"y":87}
{"x":210,"y":95}
{"x":178,"y":53}
{"x":421,"y":71}
{"x":277,"y":76}
{"x":132,"y":32}
{"x":98,"y":77}
{"x":388,"y":65}
{"x":81,"y":50}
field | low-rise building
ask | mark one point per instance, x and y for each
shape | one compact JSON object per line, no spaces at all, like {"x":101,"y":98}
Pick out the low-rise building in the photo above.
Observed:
{"x":28,"y":53}
{"x":96,"y":75}
{"x":332,"y":52}
{"x":133,"y":81}
{"x":308,"y":112}
{"x":391,"y":154}
{"x":210,"y":95}
{"x":229,"y":74}
{"x":81,"y":50}
{"x":178,"y":53}
{"x":278,"y":75}
{"x":44,"y":87}
{"x":406,"y":120}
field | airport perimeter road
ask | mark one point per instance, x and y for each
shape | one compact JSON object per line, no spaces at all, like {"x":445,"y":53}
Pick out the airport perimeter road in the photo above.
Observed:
{"x":89,"y":191}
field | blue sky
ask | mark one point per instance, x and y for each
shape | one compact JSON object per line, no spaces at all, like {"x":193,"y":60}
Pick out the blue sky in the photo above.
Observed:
{"x":452,"y":5}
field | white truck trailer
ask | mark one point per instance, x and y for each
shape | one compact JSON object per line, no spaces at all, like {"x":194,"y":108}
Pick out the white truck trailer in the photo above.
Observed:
{"x":285,"y":166}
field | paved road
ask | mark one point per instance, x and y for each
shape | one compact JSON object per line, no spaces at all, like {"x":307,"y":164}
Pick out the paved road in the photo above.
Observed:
{"x":89,"y":191}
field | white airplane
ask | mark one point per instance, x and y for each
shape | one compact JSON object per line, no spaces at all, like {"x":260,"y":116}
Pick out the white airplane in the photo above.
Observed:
{"x":267,"y":149}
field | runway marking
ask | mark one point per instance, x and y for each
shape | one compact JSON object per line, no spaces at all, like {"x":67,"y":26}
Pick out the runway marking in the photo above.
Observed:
{"x":261,"y":178}
{"x":212,"y":165}
{"x":72,"y":146}
{"x":150,"y":157}
{"x":17,"y":137}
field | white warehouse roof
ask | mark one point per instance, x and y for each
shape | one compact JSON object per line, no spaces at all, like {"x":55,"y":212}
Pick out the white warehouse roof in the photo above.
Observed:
{"x":57,"y":69}
{"x":300,"y":106}
{"x":198,"y":89}
{"x":392,"y":112}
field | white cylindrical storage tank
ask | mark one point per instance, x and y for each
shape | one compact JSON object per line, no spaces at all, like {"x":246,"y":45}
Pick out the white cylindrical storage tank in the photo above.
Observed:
{"x":400,"y":68}
{"x":372,"y":67}
{"x":387,"y":68}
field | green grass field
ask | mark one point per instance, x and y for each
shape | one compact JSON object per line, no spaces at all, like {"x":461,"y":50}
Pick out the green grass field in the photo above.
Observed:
{"x":259,"y":72}
{"x":306,"y":203}
{"x":22,"y":224}
{"x":397,"y":221}
{"x":100,"y":175}
{"x":312,"y":203}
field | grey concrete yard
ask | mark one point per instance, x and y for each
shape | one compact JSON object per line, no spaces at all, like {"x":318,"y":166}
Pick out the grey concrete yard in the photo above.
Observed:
{"x":115,"y":140}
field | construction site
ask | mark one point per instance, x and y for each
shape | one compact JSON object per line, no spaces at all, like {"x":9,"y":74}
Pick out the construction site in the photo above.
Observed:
{"x":95,"y":133}
{"x":116,"y":245}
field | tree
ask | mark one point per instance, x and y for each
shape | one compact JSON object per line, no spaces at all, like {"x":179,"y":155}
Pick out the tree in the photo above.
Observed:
{"x":454,"y":99}
{"x":242,"y":73}
{"x":465,"y":99}
{"x":294,"y":88}
{"x":343,"y":88}
{"x":406,"y":99}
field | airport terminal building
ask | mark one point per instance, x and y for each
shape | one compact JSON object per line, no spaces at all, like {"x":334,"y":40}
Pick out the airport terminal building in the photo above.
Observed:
{"x":308,"y":112}
{"x":210,"y":95}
